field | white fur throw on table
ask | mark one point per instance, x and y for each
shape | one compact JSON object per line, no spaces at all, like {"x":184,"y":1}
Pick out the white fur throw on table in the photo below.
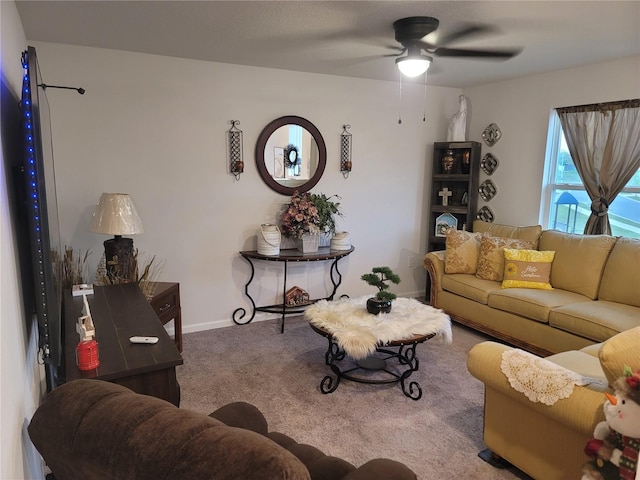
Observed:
{"x":359,"y":332}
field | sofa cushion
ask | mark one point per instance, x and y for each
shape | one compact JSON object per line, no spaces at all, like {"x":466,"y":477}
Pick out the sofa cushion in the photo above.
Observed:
{"x":621,"y":277}
{"x":469,"y":286}
{"x":592,"y":349}
{"x":527,"y":269}
{"x":532,"y":303}
{"x":462,"y":250}
{"x":586,"y":365}
{"x":491,"y":258}
{"x":619,"y":351}
{"x":597,"y":320}
{"x":531,"y":233}
{"x":579,"y":261}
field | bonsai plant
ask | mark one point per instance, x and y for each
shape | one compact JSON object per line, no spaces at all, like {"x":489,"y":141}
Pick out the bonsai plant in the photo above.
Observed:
{"x":379,"y":277}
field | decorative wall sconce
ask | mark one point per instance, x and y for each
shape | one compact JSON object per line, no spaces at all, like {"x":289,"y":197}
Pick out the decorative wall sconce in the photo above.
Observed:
{"x":236,"y":163}
{"x":345,"y":151}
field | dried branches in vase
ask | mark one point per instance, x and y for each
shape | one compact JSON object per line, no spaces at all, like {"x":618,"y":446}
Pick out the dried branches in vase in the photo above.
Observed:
{"x":146,"y":281}
{"x":73,"y":270}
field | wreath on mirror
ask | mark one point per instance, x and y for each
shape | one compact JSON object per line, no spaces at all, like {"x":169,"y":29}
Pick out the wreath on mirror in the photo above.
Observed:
{"x":291,"y":156}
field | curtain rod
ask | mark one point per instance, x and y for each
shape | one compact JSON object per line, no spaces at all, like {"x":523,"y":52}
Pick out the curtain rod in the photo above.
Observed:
{"x":603,"y":107}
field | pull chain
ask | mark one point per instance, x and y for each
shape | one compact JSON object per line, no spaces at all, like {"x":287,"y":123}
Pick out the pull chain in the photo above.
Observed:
{"x":400,"y":108}
{"x":424,"y":112}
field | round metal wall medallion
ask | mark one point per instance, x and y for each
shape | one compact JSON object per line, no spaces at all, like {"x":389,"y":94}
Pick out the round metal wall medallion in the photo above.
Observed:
{"x":491,"y":134}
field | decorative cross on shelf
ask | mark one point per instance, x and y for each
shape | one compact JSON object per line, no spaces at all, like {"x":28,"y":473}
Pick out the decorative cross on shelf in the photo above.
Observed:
{"x":445,"y":193}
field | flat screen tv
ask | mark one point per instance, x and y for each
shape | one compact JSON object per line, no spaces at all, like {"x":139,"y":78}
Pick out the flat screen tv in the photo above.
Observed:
{"x":41,"y":211}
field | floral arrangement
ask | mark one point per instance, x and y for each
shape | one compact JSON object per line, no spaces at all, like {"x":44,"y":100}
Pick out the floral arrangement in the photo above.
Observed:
{"x":300,"y":216}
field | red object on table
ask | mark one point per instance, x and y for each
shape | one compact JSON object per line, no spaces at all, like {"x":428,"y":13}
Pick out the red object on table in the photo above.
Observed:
{"x":87,"y":355}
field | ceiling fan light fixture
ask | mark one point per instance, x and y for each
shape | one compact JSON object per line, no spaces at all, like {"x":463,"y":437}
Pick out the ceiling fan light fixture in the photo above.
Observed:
{"x":413,"y":65}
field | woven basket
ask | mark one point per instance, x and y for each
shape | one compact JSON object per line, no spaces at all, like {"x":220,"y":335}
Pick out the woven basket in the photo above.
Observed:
{"x":269,"y":238}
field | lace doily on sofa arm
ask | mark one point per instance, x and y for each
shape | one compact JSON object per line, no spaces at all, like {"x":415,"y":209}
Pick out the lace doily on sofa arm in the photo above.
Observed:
{"x":538,"y":379}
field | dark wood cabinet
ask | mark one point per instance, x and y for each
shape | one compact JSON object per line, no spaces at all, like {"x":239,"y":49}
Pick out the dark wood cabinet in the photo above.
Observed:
{"x":166,"y":304}
{"x":455,"y":172}
{"x":120,"y":312}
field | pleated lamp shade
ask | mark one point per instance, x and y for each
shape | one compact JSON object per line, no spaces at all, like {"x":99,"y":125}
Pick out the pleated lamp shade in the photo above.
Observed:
{"x":116,"y":214}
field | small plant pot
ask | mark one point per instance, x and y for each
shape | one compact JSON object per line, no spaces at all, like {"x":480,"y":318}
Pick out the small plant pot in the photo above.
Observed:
{"x":376,"y":306}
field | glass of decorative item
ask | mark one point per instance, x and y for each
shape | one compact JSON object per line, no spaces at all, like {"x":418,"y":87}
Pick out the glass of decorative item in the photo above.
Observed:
{"x":448,"y":162}
{"x":466,"y":164}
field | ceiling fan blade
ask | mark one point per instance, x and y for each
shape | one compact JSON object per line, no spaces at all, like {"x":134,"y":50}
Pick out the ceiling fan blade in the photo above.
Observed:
{"x":466,"y":31}
{"x":400,"y":51}
{"x":460,"y":52}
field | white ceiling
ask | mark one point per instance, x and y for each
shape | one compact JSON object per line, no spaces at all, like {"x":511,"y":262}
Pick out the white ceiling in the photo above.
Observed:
{"x":347,"y":38}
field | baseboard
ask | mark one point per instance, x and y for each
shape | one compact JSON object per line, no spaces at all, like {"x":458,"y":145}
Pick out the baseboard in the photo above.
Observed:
{"x":221,"y":323}
{"x":259,"y":317}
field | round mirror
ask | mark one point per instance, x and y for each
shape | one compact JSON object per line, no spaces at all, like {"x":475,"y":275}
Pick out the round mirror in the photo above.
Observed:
{"x":291,"y":155}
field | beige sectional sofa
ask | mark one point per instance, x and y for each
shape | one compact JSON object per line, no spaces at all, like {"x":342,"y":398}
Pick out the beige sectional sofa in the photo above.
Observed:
{"x":547,"y":441}
{"x":595,"y":282}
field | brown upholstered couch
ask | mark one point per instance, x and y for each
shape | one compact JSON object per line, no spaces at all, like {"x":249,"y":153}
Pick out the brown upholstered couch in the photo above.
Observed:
{"x":92,"y":429}
{"x":595,"y":295}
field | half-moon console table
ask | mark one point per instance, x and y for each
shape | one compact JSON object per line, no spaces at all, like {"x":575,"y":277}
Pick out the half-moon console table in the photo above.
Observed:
{"x":286,"y":256}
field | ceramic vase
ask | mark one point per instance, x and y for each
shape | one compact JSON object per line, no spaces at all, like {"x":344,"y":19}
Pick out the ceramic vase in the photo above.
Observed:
{"x":269,"y":238}
{"x":448,"y":162}
{"x":308,"y":243}
{"x":376,"y":306}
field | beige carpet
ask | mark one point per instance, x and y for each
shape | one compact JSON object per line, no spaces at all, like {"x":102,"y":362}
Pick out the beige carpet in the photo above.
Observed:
{"x":438,"y":436}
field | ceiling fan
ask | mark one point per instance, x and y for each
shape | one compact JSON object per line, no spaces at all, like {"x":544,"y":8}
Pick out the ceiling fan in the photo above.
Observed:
{"x":410,"y":33}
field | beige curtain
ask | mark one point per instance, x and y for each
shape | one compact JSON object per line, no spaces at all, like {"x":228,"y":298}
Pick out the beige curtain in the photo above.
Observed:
{"x":604,"y":143}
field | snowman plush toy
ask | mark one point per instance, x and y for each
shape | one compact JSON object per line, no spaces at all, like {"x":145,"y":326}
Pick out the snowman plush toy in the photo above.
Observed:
{"x":617,"y":440}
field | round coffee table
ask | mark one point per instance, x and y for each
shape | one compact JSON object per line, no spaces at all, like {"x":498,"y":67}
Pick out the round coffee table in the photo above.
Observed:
{"x":393,"y":362}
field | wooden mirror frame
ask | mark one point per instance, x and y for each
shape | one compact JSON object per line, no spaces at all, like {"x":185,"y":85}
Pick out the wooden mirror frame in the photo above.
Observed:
{"x":262,"y":143}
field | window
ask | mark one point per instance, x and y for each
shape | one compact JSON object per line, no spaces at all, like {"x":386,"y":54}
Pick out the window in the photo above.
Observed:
{"x":565,"y":203}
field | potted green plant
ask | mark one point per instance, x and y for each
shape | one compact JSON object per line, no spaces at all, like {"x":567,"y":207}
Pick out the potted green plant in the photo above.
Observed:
{"x":379,"y":277}
{"x":327,"y":211}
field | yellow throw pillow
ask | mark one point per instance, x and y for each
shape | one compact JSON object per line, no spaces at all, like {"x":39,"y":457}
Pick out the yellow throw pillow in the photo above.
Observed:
{"x":491,"y":258}
{"x":527,"y":269}
{"x":462,"y":250}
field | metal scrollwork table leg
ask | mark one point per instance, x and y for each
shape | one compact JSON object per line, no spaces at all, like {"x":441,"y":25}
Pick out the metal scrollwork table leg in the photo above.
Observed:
{"x":404,"y":355}
{"x":286,"y":256}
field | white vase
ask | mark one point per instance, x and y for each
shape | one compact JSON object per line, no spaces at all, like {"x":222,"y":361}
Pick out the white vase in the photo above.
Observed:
{"x":308,"y":243}
{"x":269,"y":239}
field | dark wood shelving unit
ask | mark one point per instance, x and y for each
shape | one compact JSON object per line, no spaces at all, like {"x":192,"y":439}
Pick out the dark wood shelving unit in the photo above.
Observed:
{"x":458,"y":181}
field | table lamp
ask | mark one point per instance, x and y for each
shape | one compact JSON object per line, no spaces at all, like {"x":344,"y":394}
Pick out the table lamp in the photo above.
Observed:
{"x":116,"y":215}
